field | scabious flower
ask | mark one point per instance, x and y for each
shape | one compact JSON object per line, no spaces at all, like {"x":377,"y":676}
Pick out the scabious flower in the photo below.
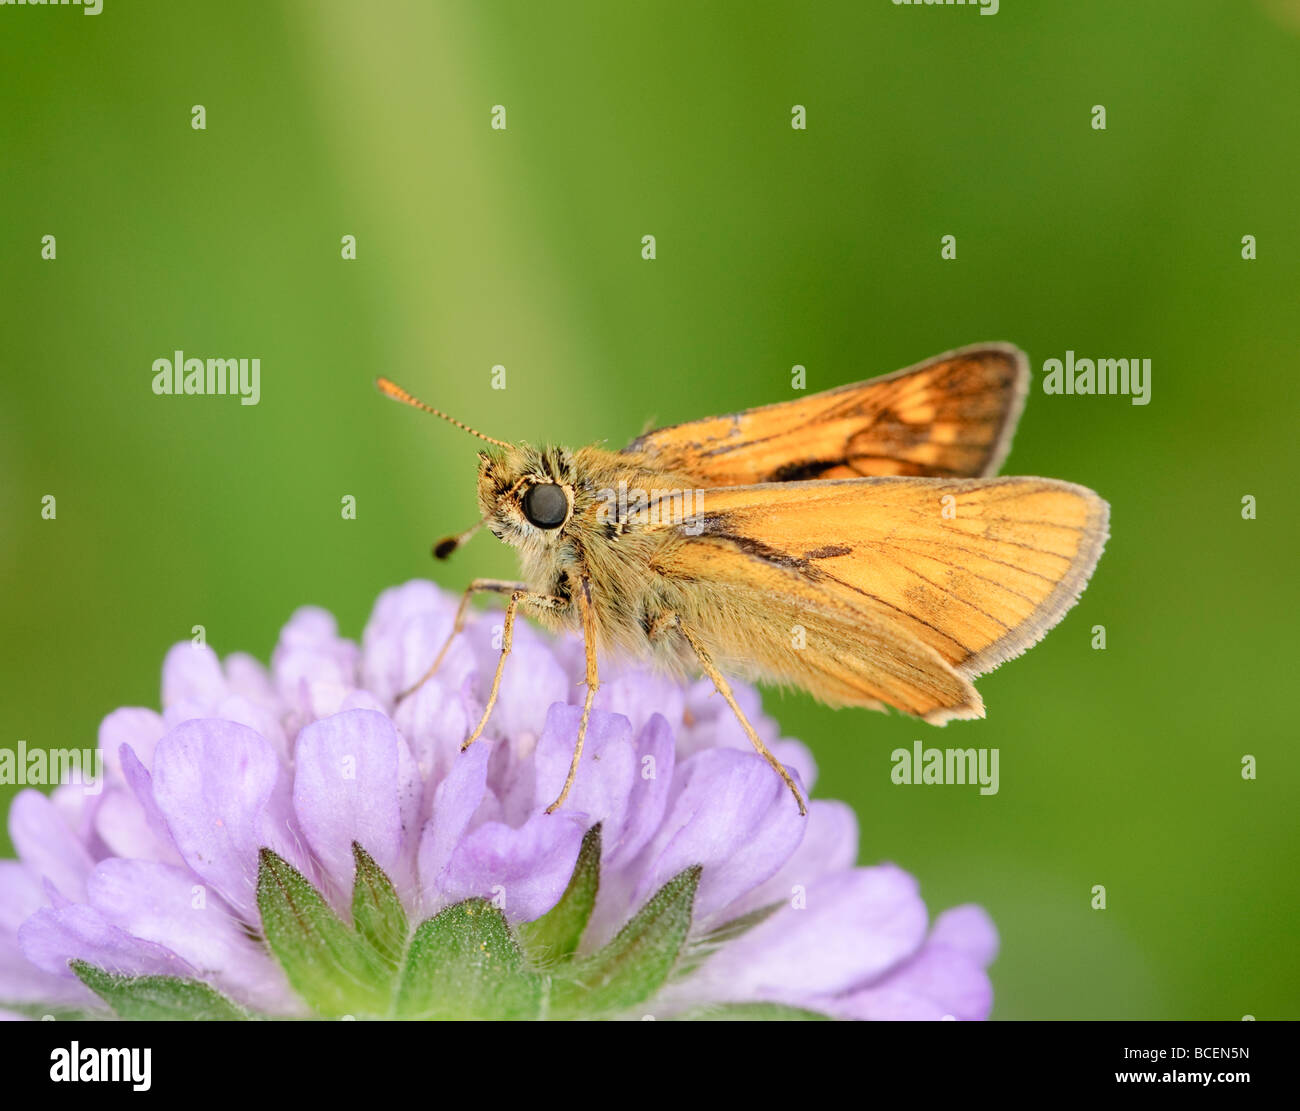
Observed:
{"x":298,"y":842}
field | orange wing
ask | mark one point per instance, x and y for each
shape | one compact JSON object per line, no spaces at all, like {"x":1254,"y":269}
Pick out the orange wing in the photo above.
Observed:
{"x":907,"y":587}
{"x":951,"y":416}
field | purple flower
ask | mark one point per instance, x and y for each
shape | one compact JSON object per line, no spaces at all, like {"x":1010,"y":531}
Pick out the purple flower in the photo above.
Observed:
{"x":166,"y":871}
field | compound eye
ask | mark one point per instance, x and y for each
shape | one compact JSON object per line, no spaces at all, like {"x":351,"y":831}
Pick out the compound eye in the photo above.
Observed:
{"x":545,"y":505}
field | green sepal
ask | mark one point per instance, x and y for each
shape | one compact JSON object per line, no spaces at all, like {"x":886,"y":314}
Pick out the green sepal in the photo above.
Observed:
{"x":699,"y":949}
{"x":158,"y":997}
{"x":632,"y":967}
{"x":377,"y":913}
{"x":554,"y":937}
{"x":332,"y":968}
{"x":464,"y":963}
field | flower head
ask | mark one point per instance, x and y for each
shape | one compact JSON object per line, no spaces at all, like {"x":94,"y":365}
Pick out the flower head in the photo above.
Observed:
{"x":297,"y":841}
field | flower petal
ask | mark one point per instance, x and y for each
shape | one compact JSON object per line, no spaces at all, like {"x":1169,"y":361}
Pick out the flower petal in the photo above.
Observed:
{"x":141,"y":729}
{"x":22,"y":982}
{"x":355,"y":780}
{"x":454,"y":803}
{"x":159,"y":903}
{"x":523,"y":871}
{"x":938,"y":982}
{"x":651,"y":789}
{"x":215,"y":785}
{"x":407,"y":628}
{"x":247,"y":678}
{"x":313,"y":668}
{"x":638,"y":694}
{"x":603,"y":785}
{"x":533,"y":679}
{"x":191,"y":673}
{"x":829,"y":845}
{"x":435,"y":722}
{"x":262,"y":721}
{"x":713,"y":724}
{"x":141,"y":784}
{"x":51,"y":938}
{"x":47,"y":845}
{"x":854,"y":927}
{"x":731,"y":814}
{"x":121,"y":824}
{"x":21,"y":896}
{"x":968,"y":929}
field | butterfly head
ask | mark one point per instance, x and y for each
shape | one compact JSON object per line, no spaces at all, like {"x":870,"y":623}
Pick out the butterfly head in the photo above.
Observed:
{"x":526,"y":494}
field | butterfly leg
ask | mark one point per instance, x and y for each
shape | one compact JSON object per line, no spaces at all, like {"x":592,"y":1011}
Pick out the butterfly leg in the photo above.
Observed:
{"x":478,"y":586}
{"x":593,"y":684}
{"x":519,"y":593}
{"x":724,"y":689}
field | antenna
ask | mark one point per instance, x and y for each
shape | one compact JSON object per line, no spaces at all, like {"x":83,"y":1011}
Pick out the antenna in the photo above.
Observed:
{"x":449,"y":544}
{"x":393,"y":390}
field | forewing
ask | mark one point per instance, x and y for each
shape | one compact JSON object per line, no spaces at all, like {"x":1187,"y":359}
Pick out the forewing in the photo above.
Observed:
{"x":952,"y":577}
{"x":951,"y":416}
{"x":761,"y":620}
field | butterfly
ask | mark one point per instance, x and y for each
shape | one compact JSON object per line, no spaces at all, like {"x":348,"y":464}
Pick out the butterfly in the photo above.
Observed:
{"x":853,"y":543}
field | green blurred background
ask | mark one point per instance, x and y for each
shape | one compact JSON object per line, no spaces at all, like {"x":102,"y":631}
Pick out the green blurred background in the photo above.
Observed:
{"x":522,"y":247}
